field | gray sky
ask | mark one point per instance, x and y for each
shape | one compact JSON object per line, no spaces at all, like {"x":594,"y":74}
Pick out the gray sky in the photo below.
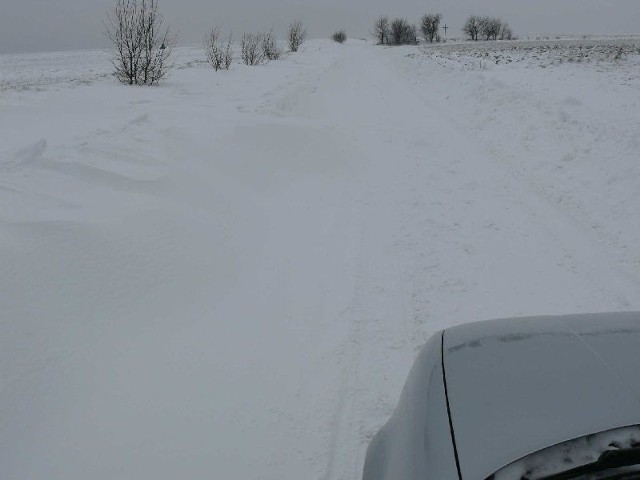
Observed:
{"x":41,"y":25}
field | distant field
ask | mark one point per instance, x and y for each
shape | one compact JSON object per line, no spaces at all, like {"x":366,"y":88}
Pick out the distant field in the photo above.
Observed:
{"x":540,"y":53}
{"x":45,"y":71}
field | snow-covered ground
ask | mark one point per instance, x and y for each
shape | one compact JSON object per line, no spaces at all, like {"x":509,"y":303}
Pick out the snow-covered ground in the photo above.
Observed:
{"x":228,"y":276}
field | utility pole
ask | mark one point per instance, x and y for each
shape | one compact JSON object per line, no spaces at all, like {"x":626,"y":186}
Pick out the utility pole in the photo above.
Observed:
{"x":445,"y":28}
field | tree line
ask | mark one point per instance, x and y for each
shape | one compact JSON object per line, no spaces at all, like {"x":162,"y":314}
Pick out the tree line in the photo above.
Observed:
{"x":487,"y":28}
{"x":400,"y":31}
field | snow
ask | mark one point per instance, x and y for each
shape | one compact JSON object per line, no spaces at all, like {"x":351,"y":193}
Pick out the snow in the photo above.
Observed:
{"x":230,"y":274}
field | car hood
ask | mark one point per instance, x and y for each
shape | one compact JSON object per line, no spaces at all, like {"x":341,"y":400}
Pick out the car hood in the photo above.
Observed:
{"x":519,"y":385}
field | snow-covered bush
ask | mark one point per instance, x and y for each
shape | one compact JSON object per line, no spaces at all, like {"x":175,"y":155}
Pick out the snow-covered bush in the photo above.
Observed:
{"x":143,"y":45}
{"x":296,"y":35}
{"x":340,"y":36}
{"x":250,"y":48}
{"x":270,"y":49}
{"x":219,"y":54}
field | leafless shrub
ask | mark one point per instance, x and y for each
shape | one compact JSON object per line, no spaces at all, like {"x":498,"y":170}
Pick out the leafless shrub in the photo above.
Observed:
{"x":401,"y":32}
{"x":251,"y":52}
{"x":270,"y":49}
{"x":219,"y":54}
{"x":619,"y":54}
{"x":212,"y":48}
{"x":430,"y":24}
{"x":340,"y":36}
{"x":296,"y":35}
{"x":381,"y":30}
{"x":227,"y":54}
{"x":143,"y":45}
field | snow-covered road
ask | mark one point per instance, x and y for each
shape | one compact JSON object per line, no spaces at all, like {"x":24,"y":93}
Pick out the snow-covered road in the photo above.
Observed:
{"x":229,"y":276}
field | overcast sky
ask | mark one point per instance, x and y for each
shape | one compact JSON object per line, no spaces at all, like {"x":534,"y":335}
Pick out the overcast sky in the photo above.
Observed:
{"x":42,"y":25}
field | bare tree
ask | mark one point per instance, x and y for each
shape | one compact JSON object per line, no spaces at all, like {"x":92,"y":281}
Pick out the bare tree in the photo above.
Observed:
{"x":472,"y":27}
{"x":218,"y":53}
{"x":412,"y":35}
{"x":496,"y":28}
{"x":340,"y":36}
{"x":490,"y":28}
{"x":483,"y":23}
{"x":381,"y":30}
{"x":401,"y":32}
{"x":397,"y":30}
{"x":296,"y":35}
{"x":430,"y":24}
{"x":250,"y":50}
{"x":143,"y":45}
{"x":505,"y":32}
{"x":270,"y":49}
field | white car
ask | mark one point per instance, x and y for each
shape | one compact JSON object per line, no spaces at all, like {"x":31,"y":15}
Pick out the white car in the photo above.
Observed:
{"x":530,"y":398}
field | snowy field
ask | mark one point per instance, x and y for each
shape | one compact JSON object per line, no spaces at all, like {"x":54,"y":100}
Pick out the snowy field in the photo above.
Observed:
{"x":479,"y":55}
{"x":229,"y":275}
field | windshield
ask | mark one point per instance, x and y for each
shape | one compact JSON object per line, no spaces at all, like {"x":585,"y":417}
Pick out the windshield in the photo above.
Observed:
{"x":613,"y":454}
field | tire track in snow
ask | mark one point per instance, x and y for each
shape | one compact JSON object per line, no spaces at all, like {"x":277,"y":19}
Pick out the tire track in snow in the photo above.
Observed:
{"x":372,"y":323}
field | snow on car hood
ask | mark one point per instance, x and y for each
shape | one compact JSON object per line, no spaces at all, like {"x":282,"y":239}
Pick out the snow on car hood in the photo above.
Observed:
{"x":518,"y":386}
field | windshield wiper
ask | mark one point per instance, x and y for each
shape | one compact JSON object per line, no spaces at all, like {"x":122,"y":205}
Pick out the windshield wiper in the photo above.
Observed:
{"x":609,"y":460}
